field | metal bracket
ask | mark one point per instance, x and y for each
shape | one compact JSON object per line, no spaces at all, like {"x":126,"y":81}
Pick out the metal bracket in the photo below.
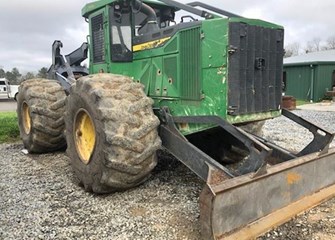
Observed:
{"x":188,"y":8}
{"x":197,"y":160}
{"x":322,"y":138}
{"x":258,"y":152}
{"x":213,"y":9}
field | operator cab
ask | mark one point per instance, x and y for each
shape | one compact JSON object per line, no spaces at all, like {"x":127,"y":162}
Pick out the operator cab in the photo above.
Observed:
{"x":137,"y":23}
{"x":165,"y":17}
{"x":132,"y":26}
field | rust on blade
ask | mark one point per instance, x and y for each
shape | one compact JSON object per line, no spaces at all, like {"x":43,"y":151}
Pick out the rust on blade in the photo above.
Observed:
{"x":293,"y":178}
{"x":262,"y":225}
{"x":244,"y":207}
{"x":216,"y":177}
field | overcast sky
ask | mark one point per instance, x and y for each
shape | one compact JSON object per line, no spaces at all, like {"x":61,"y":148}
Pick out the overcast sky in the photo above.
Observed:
{"x":29,"y":27}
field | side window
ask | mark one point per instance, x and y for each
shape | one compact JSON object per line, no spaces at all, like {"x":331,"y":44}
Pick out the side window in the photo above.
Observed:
{"x":98,"y":38}
{"x":333,"y":79}
{"x":3,"y":86}
{"x":140,"y":21}
{"x":121,"y":33}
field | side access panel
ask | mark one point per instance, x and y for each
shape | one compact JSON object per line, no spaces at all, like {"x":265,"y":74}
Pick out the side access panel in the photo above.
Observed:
{"x":255,"y":68}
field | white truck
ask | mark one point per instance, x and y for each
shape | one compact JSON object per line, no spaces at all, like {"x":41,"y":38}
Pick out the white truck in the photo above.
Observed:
{"x":7,"y":90}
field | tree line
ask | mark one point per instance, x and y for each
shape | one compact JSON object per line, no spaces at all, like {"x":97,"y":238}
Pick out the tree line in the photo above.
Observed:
{"x":315,"y":45}
{"x":15,"y":77}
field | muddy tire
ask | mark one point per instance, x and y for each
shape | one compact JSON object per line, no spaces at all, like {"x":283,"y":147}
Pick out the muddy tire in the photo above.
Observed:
{"x":40,"y":111}
{"x":111,"y":132}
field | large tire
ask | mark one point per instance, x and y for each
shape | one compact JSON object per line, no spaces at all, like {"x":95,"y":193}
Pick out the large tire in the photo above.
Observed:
{"x":40,"y":110}
{"x":111,"y":132}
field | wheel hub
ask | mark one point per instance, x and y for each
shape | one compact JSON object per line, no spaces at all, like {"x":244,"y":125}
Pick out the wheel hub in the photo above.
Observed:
{"x":84,"y":135}
{"x":26,"y":118}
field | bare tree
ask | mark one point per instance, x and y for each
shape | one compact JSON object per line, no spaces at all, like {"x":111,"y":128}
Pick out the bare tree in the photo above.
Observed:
{"x":330,"y":43}
{"x":313,"y":46}
{"x":292,"y":49}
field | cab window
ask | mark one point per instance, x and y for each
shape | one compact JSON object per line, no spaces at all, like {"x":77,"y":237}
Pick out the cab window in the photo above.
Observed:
{"x":121,"y":33}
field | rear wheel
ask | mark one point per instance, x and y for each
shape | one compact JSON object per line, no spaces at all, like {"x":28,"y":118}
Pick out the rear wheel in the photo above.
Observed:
{"x":40,"y":110}
{"x":111,"y":132}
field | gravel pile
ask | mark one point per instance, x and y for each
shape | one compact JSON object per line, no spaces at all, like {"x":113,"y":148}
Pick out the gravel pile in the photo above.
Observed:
{"x":291,"y":135}
{"x":40,"y":198}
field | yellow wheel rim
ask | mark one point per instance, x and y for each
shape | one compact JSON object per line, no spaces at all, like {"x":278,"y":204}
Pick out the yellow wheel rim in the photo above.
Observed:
{"x":84,"y":135}
{"x":26,"y":118}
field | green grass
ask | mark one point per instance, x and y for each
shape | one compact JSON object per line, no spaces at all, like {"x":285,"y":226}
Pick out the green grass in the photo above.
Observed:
{"x":9,"y":130}
{"x":302,"y":102}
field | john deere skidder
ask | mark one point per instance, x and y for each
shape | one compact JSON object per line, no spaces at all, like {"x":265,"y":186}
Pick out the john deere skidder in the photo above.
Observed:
{"x":186,"y":85}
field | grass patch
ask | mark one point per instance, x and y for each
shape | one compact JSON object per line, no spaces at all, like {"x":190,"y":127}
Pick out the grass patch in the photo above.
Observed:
{"x":9,"y":130}
{"x":302,"y":102}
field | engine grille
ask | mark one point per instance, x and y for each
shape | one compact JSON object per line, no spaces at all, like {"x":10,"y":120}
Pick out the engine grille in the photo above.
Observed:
{"x":255,"y":68}
{"x":98,"y":39}
{"x":190,"y":64}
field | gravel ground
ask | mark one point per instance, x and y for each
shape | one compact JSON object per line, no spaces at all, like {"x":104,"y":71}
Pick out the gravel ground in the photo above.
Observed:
{"x":40,"y":198}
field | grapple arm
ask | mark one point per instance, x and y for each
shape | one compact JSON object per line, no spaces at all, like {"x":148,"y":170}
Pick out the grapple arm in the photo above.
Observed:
{"x":66,"y":71}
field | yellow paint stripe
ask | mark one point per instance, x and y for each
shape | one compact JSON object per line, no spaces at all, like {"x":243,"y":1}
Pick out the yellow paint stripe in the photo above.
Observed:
{"x":150,"y":45}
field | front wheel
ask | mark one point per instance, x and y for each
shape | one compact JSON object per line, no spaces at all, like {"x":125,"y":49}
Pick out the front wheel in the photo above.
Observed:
{"x":111,"y":132}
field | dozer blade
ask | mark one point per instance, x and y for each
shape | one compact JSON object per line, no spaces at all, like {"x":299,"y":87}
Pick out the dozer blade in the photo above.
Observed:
{"x":247,"y":206}
{"x":264,"y":189}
